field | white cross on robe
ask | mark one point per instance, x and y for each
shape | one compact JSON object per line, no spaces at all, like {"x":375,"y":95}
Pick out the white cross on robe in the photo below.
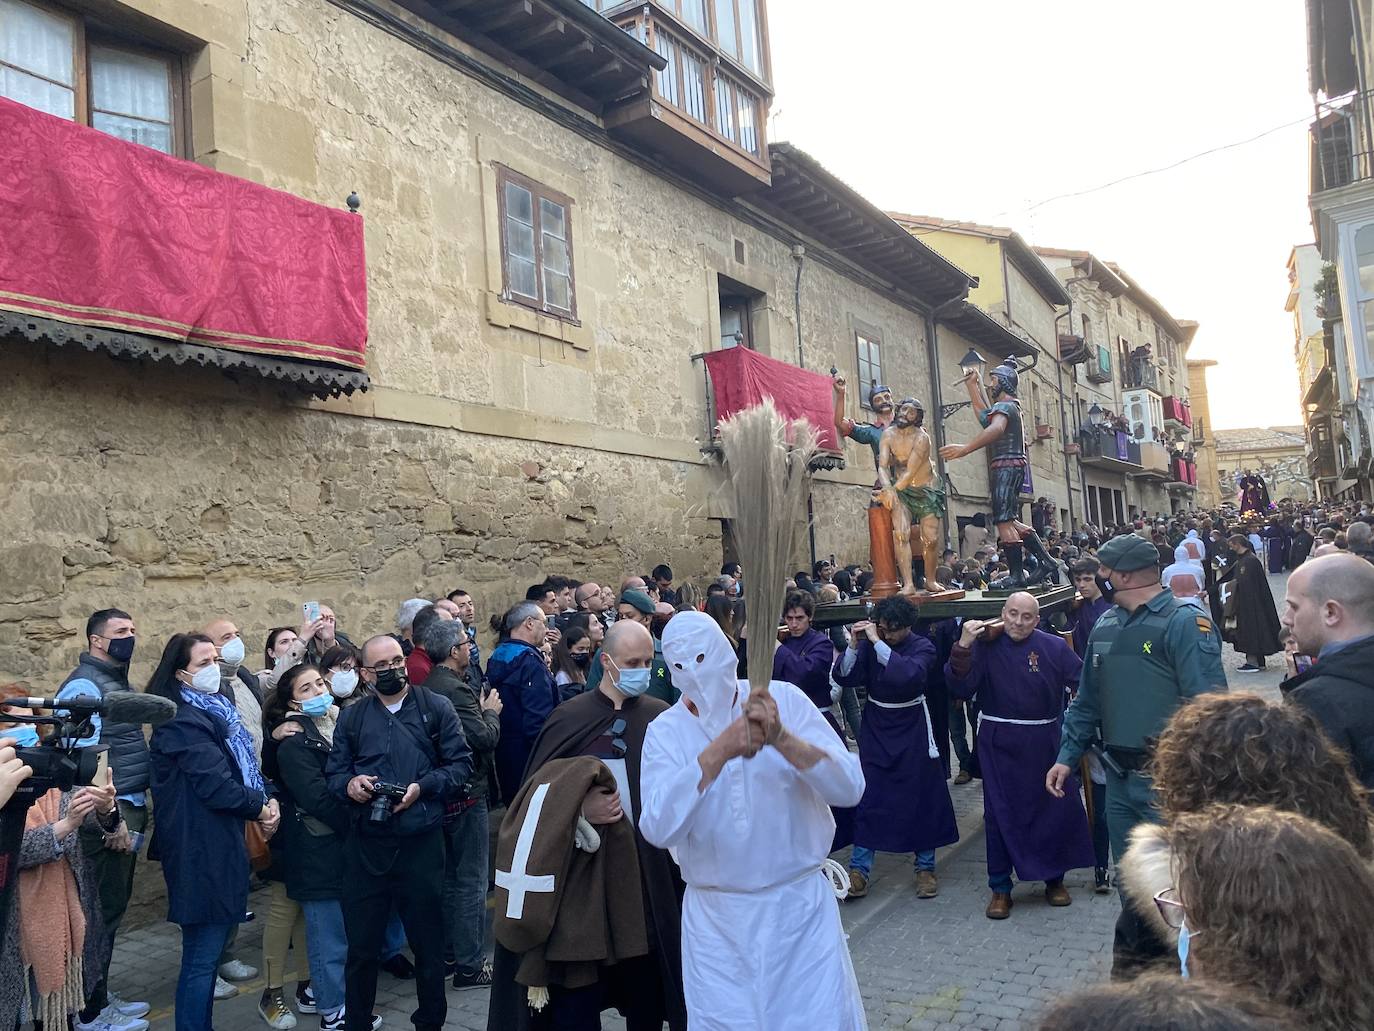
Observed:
{"x":517,"y":881}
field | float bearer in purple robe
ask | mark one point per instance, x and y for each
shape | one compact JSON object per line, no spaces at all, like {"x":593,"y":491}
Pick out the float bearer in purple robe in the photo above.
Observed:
{"x":1022,"y":680}
{"x":906,"y":805}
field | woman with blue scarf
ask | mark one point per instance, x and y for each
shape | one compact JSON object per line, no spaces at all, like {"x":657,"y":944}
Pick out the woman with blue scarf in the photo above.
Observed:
{"x":206,"y":786}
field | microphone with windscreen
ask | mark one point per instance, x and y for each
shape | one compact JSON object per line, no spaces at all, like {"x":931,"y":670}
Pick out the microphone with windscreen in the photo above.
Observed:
{"x":117,"y":707}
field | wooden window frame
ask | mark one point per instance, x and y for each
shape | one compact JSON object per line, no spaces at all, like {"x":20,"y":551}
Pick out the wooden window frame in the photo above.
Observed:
{"x":871,"y":336}
{"x":746,"y":303}
{"x":538,"y":191}
{"x":83,"y":105}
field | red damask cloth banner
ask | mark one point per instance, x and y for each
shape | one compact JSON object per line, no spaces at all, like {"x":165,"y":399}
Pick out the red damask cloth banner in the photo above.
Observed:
{"x":95,"y":231}
{"x":741,"y":378}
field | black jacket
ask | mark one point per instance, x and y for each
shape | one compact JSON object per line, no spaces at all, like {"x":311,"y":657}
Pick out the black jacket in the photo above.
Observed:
{"x":481,"y":729}
{"x":421,"y":744}
{"x":128,"y":747}
{"x":313,"y":820}
{"x":1339,"y":691}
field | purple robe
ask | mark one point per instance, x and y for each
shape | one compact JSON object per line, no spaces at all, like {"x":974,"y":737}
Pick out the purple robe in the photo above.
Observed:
{"x":1027,"y":828}
{"x":805,"y":662}
{"x":906,"y":805}
{"x":1081,"y":622}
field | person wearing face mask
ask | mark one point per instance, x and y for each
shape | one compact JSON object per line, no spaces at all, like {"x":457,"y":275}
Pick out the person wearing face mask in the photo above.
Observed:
{"x":408,"y":737}
{"x":339,"y":667}
{"x":465,"y":822}
{"x":206,"y":784}
{"x":314,"y":822}
{"x":1021,"y":679}
{"x":1147,"y":655}
{"x":572,"y":657}
{"x":906,"y":805}
{"x":102,"y":669}
{"x":610,"y":724}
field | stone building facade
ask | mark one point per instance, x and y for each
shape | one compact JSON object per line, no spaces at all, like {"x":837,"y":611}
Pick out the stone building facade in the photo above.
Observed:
{"x":496,"y":444}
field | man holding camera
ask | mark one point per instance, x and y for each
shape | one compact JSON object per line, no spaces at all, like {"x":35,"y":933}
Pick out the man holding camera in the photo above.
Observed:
{"x":399,"y":757}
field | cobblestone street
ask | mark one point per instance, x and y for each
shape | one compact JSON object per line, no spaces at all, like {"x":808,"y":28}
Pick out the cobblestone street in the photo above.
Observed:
{"x":922,"y":964}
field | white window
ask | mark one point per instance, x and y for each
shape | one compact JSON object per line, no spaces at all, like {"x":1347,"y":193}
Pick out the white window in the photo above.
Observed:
{"x":869,"y":347}
{"x":1364,"y":288}
{"x":49,"y":60}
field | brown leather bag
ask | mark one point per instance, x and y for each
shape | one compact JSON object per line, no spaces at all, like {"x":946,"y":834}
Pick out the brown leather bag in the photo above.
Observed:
{"x":259,"y":851}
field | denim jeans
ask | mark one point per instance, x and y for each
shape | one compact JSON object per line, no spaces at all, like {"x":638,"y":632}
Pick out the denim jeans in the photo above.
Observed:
{"x":324,"y":930}
{"x":201,"y":945}
{"x":862,"y":860}
{"x":958,"y":732}
{"x":465,"y":889}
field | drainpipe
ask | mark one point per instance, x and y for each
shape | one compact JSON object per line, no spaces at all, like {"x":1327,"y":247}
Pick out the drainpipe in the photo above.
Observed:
{"x":937,"y":399}
{"x":799,"y":256}
{"x":1063,"y":416}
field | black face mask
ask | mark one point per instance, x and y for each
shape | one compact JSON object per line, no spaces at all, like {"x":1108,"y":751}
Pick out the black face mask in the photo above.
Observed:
{"x":1107,"y":588}
{"x":391,"y":682}
{"x":121,"y":649}
{"x":583,"y":660}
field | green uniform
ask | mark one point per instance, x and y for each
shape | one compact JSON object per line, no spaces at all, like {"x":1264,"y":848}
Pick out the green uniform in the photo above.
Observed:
{"x":1139,"y":668}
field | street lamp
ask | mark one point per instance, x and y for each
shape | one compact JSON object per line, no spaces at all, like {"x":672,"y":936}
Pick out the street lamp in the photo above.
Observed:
{"x":1095,"y":415}
{"x":969,"y":364}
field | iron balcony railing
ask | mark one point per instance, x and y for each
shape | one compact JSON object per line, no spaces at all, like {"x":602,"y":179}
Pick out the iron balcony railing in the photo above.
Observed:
{"x":1342,"y":136}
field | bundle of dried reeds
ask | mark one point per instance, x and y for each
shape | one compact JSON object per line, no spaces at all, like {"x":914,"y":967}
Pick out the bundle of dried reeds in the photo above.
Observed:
{"x":768,"y":471}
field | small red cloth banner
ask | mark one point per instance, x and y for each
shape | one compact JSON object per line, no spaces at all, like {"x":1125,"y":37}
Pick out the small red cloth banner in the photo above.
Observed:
{"x":100,"y":232}
{"x":741,"y":378}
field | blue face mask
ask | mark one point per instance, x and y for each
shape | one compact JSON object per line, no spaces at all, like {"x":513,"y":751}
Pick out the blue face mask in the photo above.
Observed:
{"x":24,"y":735}
{"x":631,"y":682}
{"x":1184,"y":940}
{"x":317,"y":706}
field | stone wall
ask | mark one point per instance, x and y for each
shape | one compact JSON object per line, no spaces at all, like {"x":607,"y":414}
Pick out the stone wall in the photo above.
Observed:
{"x":495,"y":446}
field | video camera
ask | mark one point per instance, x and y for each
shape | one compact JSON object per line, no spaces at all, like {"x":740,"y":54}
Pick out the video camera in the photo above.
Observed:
{"x":59,"y":762}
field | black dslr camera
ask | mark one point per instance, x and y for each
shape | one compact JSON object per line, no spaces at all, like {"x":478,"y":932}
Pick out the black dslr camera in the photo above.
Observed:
{"x":384,"y":799}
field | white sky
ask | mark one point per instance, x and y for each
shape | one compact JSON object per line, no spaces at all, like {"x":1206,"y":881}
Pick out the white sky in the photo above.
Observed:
{"x":980,"y":110}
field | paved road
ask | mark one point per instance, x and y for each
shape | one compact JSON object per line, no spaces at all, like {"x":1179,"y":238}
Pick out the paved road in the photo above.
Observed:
{"x":921,"y":964}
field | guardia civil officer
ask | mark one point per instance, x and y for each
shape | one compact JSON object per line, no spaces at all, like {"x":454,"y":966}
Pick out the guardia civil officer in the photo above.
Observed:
{"x":1147,"y":655}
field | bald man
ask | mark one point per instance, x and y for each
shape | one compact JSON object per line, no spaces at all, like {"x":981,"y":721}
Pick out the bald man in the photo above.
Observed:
{"x":235,"y":683}
{"x":1330,"y":612}
{"x":609,"y":723}
{"x":1022,"y":681}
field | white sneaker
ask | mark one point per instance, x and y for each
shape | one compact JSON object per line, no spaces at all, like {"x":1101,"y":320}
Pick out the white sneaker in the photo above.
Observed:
{"x":237,"y":970}
{"x":104,"y":1023}
{"x":224,"y":990}
{"x":124,"y":1008}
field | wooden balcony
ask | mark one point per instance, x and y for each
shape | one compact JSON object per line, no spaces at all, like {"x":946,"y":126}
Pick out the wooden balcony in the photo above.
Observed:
{"x":1154,"y":461}
{"x":703,"y":114}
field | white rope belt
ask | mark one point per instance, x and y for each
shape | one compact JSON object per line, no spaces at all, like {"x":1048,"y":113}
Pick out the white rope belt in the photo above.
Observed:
{"x":838,"y":877}
{"x":1019,"y":723}
{"x":932,"y":749}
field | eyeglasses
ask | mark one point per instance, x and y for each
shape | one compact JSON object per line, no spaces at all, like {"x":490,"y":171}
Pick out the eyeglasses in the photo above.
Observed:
{"x":618,"y":737}
{"x":397,"y":663}
{"x":1170,"y":908}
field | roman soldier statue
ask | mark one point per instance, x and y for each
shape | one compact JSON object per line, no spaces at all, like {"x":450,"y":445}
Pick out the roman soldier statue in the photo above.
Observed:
{"x":1003,"y":435}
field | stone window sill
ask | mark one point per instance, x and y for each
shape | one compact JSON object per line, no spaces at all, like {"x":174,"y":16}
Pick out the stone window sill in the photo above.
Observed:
{"x":509,"y":315}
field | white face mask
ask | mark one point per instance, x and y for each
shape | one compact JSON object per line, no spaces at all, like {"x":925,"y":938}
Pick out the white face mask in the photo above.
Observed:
{"x":709,"y":684}
{"x":343,"y":683}
{"x":231,"y":652}
{"x":205,"y":680}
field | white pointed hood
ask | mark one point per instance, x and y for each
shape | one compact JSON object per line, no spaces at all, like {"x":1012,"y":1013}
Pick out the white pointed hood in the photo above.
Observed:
{"x":702,"y":665}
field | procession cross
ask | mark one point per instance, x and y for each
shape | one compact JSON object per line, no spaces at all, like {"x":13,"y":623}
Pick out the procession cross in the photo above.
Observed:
{"x":517,"y":880}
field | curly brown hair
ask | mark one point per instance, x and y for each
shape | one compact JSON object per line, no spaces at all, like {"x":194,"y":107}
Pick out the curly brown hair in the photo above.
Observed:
{"x":1239,"y":749}
{"x":1280,"y":905}
{"x":1162,"y":1002}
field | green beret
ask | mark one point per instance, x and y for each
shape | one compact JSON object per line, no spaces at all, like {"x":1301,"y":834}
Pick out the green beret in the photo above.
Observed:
{"x":1128,"y":553}
{"x":639,"y":600}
